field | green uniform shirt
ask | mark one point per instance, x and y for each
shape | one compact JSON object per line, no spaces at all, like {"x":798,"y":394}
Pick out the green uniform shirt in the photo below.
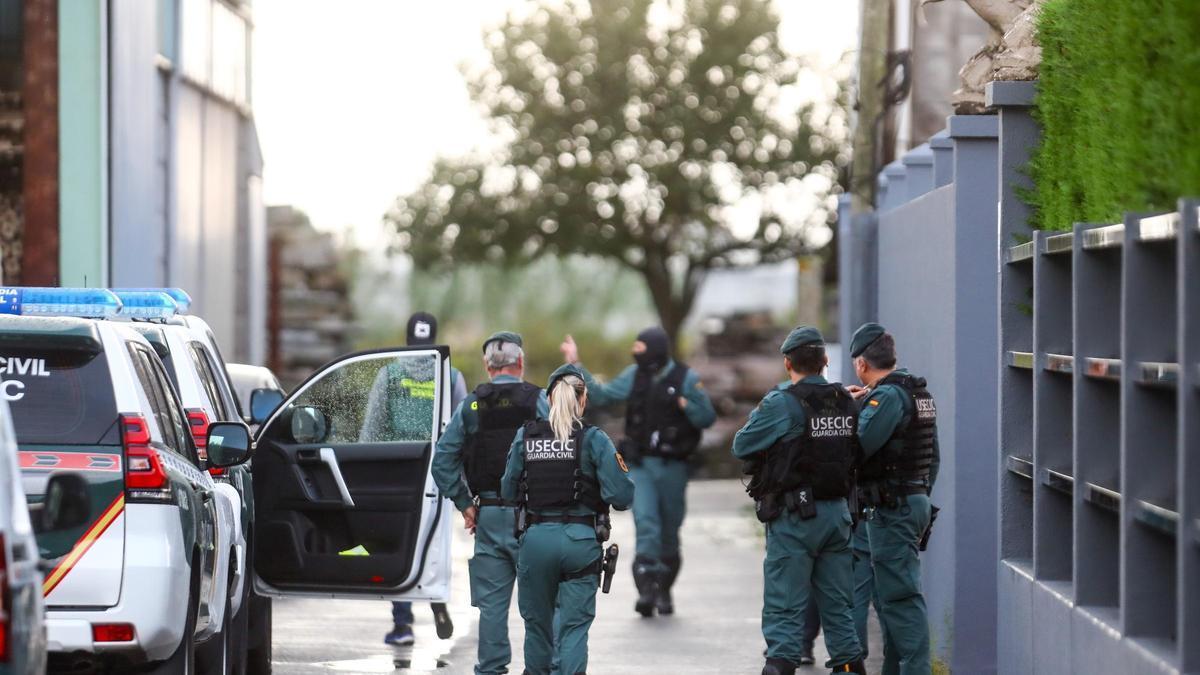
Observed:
{"x":599,"y":460}
{"x":778,"y":416}
{"x":699,"y":409}
{"x":885,"y":409}
{"x":447,"y":465}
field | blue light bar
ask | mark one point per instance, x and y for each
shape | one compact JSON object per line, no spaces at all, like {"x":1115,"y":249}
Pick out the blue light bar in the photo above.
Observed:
{"x":89,"y":303}
{"x":146,"y":304}
{"x":180,"y":296}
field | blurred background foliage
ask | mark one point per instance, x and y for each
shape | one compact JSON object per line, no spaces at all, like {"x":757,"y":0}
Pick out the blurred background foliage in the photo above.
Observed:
{"x":667,"y":137}
{"x":1117,"y":101}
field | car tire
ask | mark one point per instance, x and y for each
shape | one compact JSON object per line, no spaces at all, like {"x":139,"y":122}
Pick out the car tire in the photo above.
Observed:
{"x":183,"y":661}
{"x":258,"y":656}
{"x":213,"y":657}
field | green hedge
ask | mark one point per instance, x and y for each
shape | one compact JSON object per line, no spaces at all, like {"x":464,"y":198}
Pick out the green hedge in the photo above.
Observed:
{"x":1119,"y":105}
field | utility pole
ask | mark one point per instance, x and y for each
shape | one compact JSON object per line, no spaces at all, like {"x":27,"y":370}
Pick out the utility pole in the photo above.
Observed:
{"x":874,"y":29}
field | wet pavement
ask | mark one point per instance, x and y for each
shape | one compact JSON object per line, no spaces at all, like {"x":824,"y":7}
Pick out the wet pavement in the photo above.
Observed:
{"x":715,"y":629}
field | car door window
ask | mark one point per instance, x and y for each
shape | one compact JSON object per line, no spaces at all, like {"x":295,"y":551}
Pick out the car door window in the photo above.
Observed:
{"x":208,"y":379}
{"x":161,"y":397}
{"x":376,"y":400}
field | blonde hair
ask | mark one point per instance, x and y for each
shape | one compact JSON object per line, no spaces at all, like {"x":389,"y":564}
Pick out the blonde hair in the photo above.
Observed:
{"x":566,"y":406}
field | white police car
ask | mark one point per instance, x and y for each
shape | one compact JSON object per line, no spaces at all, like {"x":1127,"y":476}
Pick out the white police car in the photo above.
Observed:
{"x":147,"y":577}
{"x":344,"y":505}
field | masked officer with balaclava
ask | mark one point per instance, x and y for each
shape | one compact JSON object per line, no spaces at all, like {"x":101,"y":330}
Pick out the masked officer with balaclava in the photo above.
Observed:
{"x":421,"y":331}
{"x":470,"y":460}
{"x":799,"y":446}
{"x":666,"y":409}
{"x":898,"y":432}
{"x":566,"y":475}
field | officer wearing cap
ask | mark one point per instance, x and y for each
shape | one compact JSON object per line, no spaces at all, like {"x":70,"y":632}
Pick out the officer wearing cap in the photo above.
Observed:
{"x":420,"y":331}
{"x":470,"y":459}
{"x":897,"y":429}
{"x":799,"y":446}
{"x":566,"y":475}
{"x":666,"y":409}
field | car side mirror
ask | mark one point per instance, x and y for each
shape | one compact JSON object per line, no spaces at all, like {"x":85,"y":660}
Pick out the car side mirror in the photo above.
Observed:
{"x":309,"y":425}
{"x":67,"y":504}
{"x":263,"y":402}
{"x":229,"y":444}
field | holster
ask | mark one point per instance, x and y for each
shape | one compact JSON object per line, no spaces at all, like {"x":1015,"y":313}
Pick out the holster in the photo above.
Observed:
{"x":520,"y":520}
{"x":768,"y":507}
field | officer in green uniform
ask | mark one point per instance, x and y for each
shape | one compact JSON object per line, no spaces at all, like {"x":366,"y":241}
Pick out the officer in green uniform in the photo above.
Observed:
{"x":566,"y":475}
{"x":898,"y":432}
{"x":470,"y":460}
{"x":666,"y":410}
{"x":392,"y":385}
{"x":799,"y":445}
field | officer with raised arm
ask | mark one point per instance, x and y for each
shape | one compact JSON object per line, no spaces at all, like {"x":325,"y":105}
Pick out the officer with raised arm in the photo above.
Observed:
{"x":470,"y":460}
{"x":666,"y":409}
{"x":799,"y":447}
{"x":566,"y":475}
{"x":898,"y":432}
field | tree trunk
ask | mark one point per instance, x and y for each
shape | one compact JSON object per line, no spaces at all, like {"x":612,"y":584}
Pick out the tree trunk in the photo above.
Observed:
{"x":872,"y":68}
{"x":673,"y":308}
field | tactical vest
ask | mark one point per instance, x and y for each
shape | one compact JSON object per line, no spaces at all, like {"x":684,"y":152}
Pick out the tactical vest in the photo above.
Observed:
{"x":907,"y":456}
{"x":823,"y":457}
{"x":653,"y":419}
{"x":554,"y":478}
{"x":500,"y":409}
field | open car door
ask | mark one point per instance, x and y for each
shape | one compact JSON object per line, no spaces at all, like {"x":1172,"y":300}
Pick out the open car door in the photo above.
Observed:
{"x":344,"y":502}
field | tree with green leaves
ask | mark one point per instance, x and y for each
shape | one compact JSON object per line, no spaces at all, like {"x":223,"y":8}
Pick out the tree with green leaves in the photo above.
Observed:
{"x":670,"y":136}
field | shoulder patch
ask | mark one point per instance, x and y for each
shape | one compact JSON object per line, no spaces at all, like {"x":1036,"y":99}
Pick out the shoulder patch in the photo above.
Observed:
{"x":873,"y":403}
{"x":474,"y":405}
{"x":621,"y":463}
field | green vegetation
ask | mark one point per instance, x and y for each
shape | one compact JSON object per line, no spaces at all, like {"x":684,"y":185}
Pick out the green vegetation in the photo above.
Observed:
{"x":1117,"y":101}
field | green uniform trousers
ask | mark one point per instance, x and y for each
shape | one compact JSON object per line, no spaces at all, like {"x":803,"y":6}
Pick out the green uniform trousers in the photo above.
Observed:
{"x":804,"y":554}
{"x":864,"y":583}
{"x":894,"y":536}
{"x":549,"y":551}
{"x":493,"y":569}
{"x":659,"y":505}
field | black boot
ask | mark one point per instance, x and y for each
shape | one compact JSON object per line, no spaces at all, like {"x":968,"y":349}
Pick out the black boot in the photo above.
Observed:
{"x":663,"y":603}
{"x":852,"y":667}
{"x":779,"y":667}
{"x":645,"y":578}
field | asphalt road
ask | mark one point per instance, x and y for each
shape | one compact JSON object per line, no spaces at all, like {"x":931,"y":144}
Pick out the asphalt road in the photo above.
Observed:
{"x":715,"y":629}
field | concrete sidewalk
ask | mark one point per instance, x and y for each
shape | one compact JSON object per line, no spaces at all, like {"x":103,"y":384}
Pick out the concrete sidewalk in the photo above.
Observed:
{"x":716,"y":627}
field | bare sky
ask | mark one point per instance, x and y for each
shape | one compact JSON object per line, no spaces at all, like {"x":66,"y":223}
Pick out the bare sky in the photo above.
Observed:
{"x":353,"y":100}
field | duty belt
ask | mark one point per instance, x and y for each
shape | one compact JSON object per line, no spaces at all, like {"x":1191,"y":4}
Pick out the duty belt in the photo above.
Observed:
{"x":535,"y":518}
{"x":490,"y":501}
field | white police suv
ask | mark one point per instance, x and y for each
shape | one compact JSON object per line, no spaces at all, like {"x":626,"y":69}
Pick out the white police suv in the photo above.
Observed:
{"x":146,"y":578}
{"x":343,"y":501}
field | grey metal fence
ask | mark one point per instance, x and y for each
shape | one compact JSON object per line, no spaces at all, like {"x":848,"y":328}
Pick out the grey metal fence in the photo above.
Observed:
{"x":1100,"y":446}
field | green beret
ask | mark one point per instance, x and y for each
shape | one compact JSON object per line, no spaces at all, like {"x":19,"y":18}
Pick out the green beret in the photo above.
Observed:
{"x":863,"y":337}
{"x":503,"y":336}
{"x":800,"y":337}
{"x":561,"y":372}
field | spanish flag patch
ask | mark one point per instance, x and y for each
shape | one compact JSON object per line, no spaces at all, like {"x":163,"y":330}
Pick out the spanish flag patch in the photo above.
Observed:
{"x":873,"y":403}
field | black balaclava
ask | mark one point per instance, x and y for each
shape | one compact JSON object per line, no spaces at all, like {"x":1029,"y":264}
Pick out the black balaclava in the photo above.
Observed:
{"x":658,"y":349}
{"x":422,"y":329}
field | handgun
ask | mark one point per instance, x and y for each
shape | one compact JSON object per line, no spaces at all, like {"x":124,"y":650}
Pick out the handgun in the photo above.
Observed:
{"x":609,"y":567}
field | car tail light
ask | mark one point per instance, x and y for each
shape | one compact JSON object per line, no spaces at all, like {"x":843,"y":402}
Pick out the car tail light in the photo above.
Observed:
{"x":145,"y":477}
{"x":198,"y":423}
{"x":112,"y":632}
{"x":5,"y":604}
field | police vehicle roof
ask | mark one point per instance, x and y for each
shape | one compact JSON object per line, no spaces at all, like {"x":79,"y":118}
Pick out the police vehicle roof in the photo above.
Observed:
{"x":51,"y":331}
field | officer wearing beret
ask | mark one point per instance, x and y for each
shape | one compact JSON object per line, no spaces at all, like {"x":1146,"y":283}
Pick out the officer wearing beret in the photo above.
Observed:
{"x":799,"y":446}
{"x":566,"y":474}
{"x":897,"y":429}
{"x":666,"y":409}
{"x":470,"y":459}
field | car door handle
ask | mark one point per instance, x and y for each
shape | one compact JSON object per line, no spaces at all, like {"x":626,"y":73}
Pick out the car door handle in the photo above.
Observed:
{"x":330,"y":459}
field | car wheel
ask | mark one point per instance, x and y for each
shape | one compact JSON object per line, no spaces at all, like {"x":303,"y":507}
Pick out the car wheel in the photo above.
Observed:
{"x":212,"y":657}
{"x":183,"y":661}
{"x":258,"y":657}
